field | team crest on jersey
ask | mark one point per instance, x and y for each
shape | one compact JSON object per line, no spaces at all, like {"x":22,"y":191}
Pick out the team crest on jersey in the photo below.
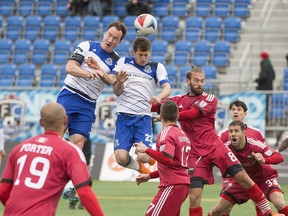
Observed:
{"x":108,"y":61}
{"x":268,"y":152}
{"x":202,"y":104}
{"x":162,"y":147}
{"x":147,"y":69}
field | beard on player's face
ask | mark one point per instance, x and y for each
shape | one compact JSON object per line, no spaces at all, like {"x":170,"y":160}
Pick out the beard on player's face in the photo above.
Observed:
{"x":198,"y":90}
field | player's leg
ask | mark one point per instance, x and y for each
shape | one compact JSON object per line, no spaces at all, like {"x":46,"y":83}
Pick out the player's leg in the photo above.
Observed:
{"x":168,"y":200}
{"x":222,"y":207}
{"x":276,"y":197}
{"x":123,"y":141}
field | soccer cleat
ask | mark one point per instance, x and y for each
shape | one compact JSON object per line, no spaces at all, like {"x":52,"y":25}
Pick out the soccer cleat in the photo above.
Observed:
{"x":72,"y":205}
{"x":142,"y":168}
{"x":70,"y":194}
{"x":152,"y":161}
{"x":275,"y":214}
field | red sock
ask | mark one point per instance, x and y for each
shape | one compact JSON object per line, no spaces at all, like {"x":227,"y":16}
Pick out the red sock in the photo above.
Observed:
{"x":284,"y":211}
{"x":208,"y":214}
{"x":258,"y":212}
{"x":195,"y":211}
{"x":259,"y":199}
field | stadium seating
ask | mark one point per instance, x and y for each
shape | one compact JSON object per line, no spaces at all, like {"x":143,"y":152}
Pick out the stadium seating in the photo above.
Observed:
{"x":21,"y":52}
{"x":172,"y":75}
{"x":7,"y":8}
{"x":106,"y":20}
{"x":232,"y":29}
{"x":72,"y":27}
{"x":40,"y":51}
{"x":203,"y":8}
{"x":170,"y":26}
{"x":241,"y":8}
{"x":201,"y":54}
{"x":14,"y":27}
{"x":223,"y":8}
{"x":5,"y":51}
{"x":91,"y":25}
{"x":61,"y":51}
{"x":32,"y":27}
{"x":7,"y":74}
{"x":193,"y":28}
{"x":51,"y":27}
{"x":26,"y":76}
{"x":161,"y":8}
{"x":123,"y":49}
{"x":26,"y":8}
{"x":159,"y":51}
{"x":221,"y":53}
{"x":131,"y":33}
{"x":61,"y":9}
{"x":48,"y":75}
{"x":210,"y":72}
{"x":213,"y":27}
{"x":182,"y":52}
{"x":44,"y":8}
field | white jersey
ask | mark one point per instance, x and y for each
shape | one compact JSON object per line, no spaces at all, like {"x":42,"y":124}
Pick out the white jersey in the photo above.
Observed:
{"x":86,"y":86}
{"x":140,"y":86}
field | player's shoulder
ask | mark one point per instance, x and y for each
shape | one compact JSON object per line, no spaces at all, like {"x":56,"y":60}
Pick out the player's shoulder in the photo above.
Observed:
{"x":256,"y":143}
{"x":209,"y":97}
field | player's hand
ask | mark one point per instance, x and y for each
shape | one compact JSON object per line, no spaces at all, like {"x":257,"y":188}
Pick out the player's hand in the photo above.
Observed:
{"x":92,"y":63}
{"x":154,"y":100}
{"x":140,"y":147}
{"x":142,"y":178}
{"x":258,"y":157}
{"x":96,"y":74}
{"x":121,"y":76}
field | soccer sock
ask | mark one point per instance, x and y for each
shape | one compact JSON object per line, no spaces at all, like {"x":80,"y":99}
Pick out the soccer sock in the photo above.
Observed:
{"x":258,"y":212}
{"x":132,"y":164}
{"x":284,"y":210}
{"x":195,"y":211}
{"x":259,"y":199}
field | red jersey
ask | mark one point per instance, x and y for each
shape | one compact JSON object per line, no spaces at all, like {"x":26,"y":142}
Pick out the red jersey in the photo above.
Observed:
{"x":174,"y":142}
{"x":201,"y":131}
{"x":39,"y":169}
{"x":254,"y":169}
{"x":250,"y":132}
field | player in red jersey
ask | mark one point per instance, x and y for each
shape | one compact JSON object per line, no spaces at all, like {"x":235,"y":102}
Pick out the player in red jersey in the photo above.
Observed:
{"x":38,"y":169}
{"x":238,"y":111}
{"x":172,"y":152}
{"x":197,"y":119}
{"x":256,"y":157}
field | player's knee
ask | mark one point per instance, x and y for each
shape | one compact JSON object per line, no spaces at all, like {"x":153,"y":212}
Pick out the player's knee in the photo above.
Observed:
{"x":216,"y":210}
{"x":195,"y":200}
{"x":121,"y":159}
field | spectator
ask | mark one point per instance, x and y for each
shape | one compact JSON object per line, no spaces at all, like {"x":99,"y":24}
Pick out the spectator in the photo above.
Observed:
{"x":267,"y":73}
{"x":77,"y":7}
{"x":41,"y":166}
{"x":134,"y":7}
{"x":99,"y":7}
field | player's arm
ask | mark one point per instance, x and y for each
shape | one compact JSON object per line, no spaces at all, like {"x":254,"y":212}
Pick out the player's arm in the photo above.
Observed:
{"x":283,"y":145}
{"x":165,"y":92}
{"x":90,"y":201}
{"x":118,"y":87}
{"x":187,"y":115}
{"x":5,"y":189}
{"x":275,"y":158}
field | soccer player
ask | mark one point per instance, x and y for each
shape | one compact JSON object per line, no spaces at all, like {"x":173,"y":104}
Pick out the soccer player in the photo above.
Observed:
{"x":135,"y":96}
{"x":256,"y":157}
{"x":84,"y":82}
{"x":2,"y":144}
{"x":38,"y":169}
{"x":283,"y":145}
{"x":172,"y":152}
{"x":238,"y":111}
{"x":197,"y":119}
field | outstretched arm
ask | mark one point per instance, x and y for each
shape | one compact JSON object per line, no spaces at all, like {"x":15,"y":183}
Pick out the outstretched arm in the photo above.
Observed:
{"x":283,"y":145}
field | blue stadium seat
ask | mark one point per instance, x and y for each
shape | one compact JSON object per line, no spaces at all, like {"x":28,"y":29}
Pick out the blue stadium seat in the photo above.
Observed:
{"x":182,"y":52}
{"x":61,"y":9}
{"x":44,"y":8}
{"x":172,"y":75}
{"x":72,"y":27}
{"x":193,"y":28}
{"x":91,"y":26}
{"x":203,"y":8}
{"x":7,"y":75}
{"x":48,"y":76}
{"x":27,"y":75}
{"x":5,"y":51}
{"x":210,"y":71}
{"x":61,"y":51}
{"x":40,"y":51}
{"x":183,"y":71}
{"x":179,"y":9}
{"x":33,"y":27}
{"x":129,"y":23}
{"x":62,"y":75}
{"x":159,"y":51}
{"x":161,"y":8}
{"x":232,"y":29}
{"x":120,"y":9}
{"x":26,"y":8}
{"x":223,"y":8}
{"x":201,"y":55}
{"x":241,"y":8}
{"x":123,"y":49}
{"x":14,"y":27}
{"x":170,"y":26}
{"x":22,"y":49}
{"x":51,"y":27}
{"x":221,"y":53}
{"x":7,"y":8}
{"x":213,"y":28}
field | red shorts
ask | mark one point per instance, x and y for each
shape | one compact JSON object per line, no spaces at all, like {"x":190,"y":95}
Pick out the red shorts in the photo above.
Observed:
{"x":222,"y":157}
{"x":168,"y":200}
{"x":234,"y":193}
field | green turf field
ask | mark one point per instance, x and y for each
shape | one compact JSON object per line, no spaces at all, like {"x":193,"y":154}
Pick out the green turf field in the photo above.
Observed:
{"x":129,"y":199}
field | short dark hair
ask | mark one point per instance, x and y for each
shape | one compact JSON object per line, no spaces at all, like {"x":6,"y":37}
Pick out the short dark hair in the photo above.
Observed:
{"x":119,"y":26}
{"x":169,"y":111}
{"x":142,"y":44}
{"x":238,"y":103}
{"x":238,"y":123}
{"x":193,"y":70}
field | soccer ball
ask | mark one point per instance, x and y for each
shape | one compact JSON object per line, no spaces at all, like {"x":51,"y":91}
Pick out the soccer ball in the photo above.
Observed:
{"x":145,"y":25}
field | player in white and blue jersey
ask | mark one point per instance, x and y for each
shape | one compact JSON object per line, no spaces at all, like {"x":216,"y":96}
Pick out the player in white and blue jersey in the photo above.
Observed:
{"x":84,"y":83}
{"x":135,"y":96}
